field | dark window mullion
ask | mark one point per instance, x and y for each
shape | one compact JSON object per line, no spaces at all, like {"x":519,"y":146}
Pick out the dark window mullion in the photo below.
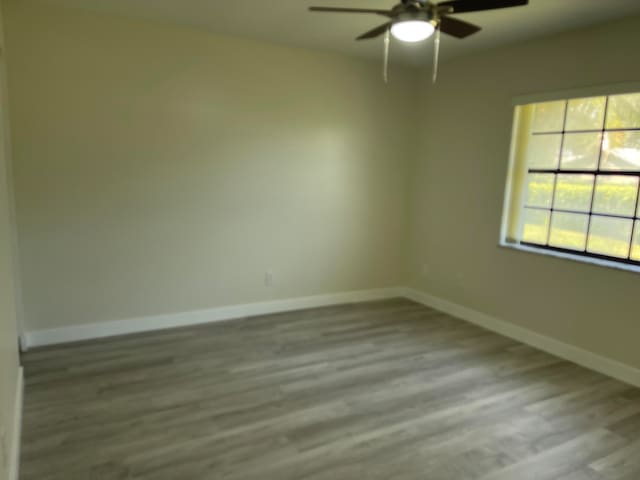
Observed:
{"x":577,"y":212}
{"x":613,"y":173}
{"x":633,"y":222}
{"x":595,"y":177}
{"x":551,"y":210}
{"x":586,"y":131}
{"x":555,"y":176}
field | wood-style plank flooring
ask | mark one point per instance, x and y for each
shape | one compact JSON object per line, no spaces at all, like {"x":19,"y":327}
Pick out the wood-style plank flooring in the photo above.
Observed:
{"x":385,"y":390}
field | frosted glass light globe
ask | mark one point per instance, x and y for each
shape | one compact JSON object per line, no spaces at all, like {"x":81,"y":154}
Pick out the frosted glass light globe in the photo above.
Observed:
{"x":412,"y":30}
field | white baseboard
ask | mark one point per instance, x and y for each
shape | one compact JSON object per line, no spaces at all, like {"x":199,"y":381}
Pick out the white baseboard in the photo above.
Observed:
{"x":560,"y":349}
{"x":14,"y":460}
{"x":77,"y":333}
{"x":585,"y":358}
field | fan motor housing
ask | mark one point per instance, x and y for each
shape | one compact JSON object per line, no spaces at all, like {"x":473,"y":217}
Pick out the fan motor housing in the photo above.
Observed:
{"x":408,"y":16}
{"x":421,"y":3}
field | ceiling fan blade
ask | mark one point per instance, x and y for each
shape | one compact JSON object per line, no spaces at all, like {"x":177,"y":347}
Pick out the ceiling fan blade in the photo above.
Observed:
{"x":376,"y":32}
{"x":457,"y":28}
{"x":462,"y":6}
{"x":386,"y":13}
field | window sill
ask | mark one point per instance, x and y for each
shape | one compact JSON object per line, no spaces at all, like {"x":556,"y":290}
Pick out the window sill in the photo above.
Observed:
{"x":567,"y":256}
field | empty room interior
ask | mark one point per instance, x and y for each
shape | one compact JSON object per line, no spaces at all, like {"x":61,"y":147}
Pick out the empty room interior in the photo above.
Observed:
{"x":319,"y":240}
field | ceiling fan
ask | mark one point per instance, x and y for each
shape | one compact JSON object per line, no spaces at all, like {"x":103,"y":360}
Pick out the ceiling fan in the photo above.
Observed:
{"x":417,"y":20}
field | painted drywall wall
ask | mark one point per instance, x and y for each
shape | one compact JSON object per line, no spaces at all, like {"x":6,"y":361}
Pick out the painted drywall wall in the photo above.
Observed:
{"x":9,"y":361}
{"x":162,"y":170}
{"x":458,"y":190}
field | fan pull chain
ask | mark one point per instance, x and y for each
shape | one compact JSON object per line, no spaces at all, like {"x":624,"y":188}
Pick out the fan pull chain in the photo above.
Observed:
{"x":387,"y":42}
{"x":436,"y":56}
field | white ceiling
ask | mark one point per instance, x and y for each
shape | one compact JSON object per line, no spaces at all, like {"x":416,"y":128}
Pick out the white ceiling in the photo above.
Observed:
{"x":288,"y":22}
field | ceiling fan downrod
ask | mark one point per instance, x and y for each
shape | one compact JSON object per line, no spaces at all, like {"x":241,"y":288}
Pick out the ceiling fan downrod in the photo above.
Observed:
{"x":387,"y":44}
{"x":436,"y":56}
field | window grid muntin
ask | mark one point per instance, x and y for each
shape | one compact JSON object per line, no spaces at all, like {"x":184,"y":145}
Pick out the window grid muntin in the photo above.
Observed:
{"x":559,"y":164}
{"x":594,"y":130}
{"x":595,"y":177}
{"x":633,"y":231}
{"x":598,"y":172}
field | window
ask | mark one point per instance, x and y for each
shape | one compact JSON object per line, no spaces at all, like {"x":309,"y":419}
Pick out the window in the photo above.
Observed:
{"x":574,"y":180}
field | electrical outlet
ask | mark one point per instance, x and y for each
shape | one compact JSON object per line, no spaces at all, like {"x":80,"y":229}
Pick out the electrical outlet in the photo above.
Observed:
{"x":268,"y":279}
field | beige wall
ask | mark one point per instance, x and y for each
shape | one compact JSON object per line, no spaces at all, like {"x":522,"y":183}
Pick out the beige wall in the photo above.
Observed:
{"x":458,"y":190}
{"x":162,"y":170}
{"x":8,"y":329}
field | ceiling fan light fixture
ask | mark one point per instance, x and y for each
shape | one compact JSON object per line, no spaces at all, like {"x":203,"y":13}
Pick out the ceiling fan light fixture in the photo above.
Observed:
{"x":412,"y":31}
